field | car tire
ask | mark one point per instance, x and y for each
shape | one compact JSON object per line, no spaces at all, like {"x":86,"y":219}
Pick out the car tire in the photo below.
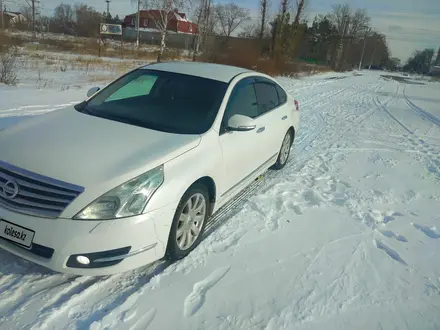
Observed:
{"x":284,"y":153}
{"x":190,"y":217}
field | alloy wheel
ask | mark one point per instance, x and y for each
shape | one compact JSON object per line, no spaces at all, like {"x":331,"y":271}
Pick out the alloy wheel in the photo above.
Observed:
{"x":191,"y":221}
{"x":285,"y":149}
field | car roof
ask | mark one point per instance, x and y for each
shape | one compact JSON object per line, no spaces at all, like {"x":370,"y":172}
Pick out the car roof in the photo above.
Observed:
{"x":220,"y":72}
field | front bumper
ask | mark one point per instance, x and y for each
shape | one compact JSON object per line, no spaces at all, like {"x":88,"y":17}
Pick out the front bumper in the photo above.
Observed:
{"x":58,"y":241}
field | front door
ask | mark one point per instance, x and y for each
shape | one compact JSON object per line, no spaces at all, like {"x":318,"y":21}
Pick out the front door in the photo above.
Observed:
{"x":242,"y":151}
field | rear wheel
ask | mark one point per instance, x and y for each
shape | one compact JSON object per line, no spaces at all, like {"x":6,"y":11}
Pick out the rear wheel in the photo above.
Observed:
{"x":283,"y":155}
{"x":189,"y":222}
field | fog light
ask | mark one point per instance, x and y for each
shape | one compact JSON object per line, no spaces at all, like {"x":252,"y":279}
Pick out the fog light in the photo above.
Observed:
{"x":83,"y":260}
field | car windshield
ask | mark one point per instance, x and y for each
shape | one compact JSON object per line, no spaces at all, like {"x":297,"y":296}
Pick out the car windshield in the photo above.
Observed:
{"x":164,"y":101}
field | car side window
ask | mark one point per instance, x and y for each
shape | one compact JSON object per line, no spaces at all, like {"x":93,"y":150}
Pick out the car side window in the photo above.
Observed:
{"x":242,"y":101}
{"x":267,"y":96}
{"x":282,"y":96}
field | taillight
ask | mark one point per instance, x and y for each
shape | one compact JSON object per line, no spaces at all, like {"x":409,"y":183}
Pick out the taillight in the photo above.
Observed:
{"x":296,"y":105}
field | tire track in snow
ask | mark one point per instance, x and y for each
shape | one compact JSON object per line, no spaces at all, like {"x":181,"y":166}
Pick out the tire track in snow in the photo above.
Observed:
{"x":325,"y":129}
{"x":385,"y":109}
{"x":68,"y":290}
{"x":31,"y":281}
{"x":422,"y":113}
{"x":87,"y":288}
{"x":305,"y":141}
{"x":119,"y":303}
{"x":411,"y":138}
{"x":8,"y":282}
{"x":22,"y":302}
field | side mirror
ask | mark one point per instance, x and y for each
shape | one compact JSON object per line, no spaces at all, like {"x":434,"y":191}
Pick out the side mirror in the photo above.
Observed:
{"x":92,"y":91}
{"x":241,"y":123}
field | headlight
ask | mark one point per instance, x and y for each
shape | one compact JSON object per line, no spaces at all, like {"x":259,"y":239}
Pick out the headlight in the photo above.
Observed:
{"x":128,"y":199}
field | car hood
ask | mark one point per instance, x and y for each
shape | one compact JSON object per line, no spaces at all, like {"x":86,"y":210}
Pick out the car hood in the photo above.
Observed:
{"x":88,"y":151}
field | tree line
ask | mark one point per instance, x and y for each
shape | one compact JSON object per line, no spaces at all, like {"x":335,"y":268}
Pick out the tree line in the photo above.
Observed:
{"x":342,"y":39}
{"x":421,"y":61}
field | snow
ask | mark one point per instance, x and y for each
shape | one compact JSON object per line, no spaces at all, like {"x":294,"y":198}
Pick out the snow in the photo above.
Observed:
{"x":346,"y":236}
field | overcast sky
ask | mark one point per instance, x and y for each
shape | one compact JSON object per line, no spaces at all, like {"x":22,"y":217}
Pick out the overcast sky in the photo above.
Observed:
{"x":408,"y":24}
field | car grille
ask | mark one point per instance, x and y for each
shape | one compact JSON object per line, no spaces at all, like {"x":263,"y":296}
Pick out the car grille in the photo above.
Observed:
{"x":37,"y":195}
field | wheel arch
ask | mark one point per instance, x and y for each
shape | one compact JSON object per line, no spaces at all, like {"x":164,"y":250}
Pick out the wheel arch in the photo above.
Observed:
{"x":210,"y":185}
{"x":291,"y":130}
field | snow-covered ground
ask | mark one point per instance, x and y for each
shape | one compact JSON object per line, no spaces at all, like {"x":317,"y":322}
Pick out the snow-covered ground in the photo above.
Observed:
{"x":347,"y":236}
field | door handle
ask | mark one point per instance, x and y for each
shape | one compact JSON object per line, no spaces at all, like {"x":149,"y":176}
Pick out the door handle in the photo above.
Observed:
{"x":284,"y":118}
{"x":261,"y":129}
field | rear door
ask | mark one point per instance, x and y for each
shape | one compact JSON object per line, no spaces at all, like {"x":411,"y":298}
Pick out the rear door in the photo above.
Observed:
{"x":273,"y":110}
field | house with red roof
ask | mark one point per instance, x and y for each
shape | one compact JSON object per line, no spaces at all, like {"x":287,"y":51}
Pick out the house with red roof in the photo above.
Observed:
{"x":177,"y":22}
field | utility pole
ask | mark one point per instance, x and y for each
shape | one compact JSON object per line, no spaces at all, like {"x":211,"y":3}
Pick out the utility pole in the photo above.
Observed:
{"x":33,"y":19}
{"x":363,"y":49}
{"x":2,"y":14}
{"x":138,"y":22}
{"x":108,"y":8}
{"x":342,"y":47}
{"x":372,"y":57}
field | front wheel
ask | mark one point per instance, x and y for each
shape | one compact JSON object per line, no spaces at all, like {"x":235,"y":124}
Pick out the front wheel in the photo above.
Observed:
{"x":188,"y":223}
{"x":284,"y":153}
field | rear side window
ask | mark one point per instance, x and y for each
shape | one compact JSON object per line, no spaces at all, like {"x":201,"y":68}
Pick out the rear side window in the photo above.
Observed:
{"x":282,"y":96}
{"x":267,"y":96}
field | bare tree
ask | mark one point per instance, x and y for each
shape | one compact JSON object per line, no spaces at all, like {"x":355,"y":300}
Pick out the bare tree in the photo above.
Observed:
{"x":26,"y":11}
{"x":278,"y":25}
{"x":30,"y":9}
{"x":87,"y":20}
{"x":299,"y":13}
{"x":359,"y":23}
{"x":264,"y":11}
{"x":300,"y":8}
{"x":251,"y":30}
{"x":164,"y":10}
{"x":211,"y":20}
{"x":351,"y":26}
{"x":202,"y":13}
{"x":340,"y":17}
{"x":63,"y":20}
{"x":284,"y":7}
{"x":230,"y":17}
{"x":353,"y":23}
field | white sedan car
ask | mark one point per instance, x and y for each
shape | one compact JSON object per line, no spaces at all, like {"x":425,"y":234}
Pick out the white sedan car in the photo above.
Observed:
{"x":132,"y":174}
